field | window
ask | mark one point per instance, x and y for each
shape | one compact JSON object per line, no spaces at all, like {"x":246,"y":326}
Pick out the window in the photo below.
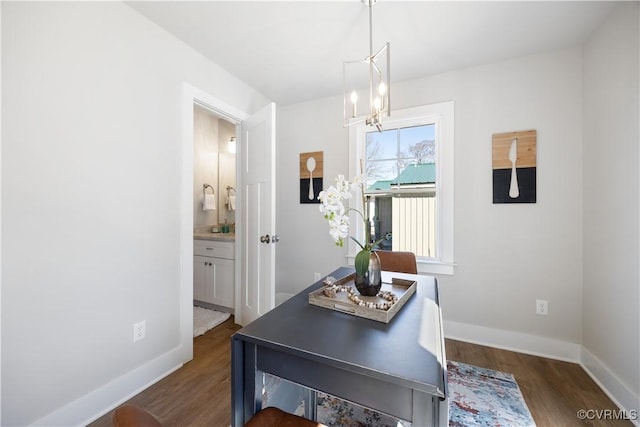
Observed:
{"x":400,"y":167}
{"x":409,"y":183}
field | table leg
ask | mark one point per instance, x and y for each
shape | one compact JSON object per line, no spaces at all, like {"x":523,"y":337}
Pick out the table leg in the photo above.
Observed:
{"x":237,"y":383}
{"x":310,"y":403}
{"x":426,"y":410}
{"x":246,"y":398}
{"x":444,"y":412}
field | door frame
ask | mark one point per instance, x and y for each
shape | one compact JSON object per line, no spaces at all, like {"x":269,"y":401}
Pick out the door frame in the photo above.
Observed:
{"x":193,"y":96}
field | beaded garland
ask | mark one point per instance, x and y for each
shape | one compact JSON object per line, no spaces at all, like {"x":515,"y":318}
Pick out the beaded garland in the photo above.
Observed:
{"x":390,"y":297}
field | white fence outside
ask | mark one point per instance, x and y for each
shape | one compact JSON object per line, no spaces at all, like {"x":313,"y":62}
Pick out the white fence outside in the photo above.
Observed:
{"x":414,"y":225}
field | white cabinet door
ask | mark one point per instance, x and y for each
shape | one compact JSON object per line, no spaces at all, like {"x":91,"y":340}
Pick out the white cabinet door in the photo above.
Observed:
{"x":223,"y":281}
{"x":200,"y":267}
{"x":213,"y":280}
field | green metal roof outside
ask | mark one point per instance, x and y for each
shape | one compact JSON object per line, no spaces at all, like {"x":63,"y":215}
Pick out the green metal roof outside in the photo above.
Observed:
{"x":383,"y":184}
{"x":419,"y":173}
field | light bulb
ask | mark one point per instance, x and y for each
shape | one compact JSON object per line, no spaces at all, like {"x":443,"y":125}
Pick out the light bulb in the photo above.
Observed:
{"x":382,"y":89}
{"x":354,"y":101}
{"x":377,"y":104}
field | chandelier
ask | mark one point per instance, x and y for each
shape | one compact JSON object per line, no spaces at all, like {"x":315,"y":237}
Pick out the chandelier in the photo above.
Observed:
{"x":375,"y":68}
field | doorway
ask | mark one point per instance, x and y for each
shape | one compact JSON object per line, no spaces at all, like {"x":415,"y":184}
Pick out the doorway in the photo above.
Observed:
{"x":214,"y":219}
{"x":193,"y":98}
{"x":255,"y":237}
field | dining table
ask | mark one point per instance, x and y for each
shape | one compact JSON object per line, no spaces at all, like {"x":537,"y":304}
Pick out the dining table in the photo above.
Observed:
{"x":396,"y":368}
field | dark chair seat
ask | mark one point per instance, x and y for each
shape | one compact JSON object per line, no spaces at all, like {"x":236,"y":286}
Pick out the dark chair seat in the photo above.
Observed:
{"x":133,"y":416}
{"x":274,"y":417}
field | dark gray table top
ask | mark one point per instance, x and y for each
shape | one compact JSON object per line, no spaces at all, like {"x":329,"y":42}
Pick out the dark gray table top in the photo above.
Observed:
{"x":409,"y":350}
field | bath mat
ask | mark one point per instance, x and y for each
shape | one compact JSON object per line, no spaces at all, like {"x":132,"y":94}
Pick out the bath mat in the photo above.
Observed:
{"x":205,"y":319}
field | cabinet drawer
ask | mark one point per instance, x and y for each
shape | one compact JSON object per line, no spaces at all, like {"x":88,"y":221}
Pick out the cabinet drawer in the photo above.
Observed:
{"x":214,"y":249}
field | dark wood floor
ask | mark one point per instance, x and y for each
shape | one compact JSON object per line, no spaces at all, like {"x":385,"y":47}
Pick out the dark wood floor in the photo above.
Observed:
{"x":554,"y":391}
{"x":199,"y":394}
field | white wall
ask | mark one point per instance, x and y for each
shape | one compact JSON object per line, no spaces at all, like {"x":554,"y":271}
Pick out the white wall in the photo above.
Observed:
{"x":507,"y":255}
{"x":227,"y":172}
{"x":305,"y":246}
{"x":611,"y":195}
{"x":91,"y":177}
{"x":212,"y":164}
{"x":205,"y":164}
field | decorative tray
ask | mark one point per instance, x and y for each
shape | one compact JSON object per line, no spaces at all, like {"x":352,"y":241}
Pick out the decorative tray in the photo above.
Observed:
{"x":336,"y":296}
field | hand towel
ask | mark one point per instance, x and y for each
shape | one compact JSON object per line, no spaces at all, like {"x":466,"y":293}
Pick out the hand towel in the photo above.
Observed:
{"x":231,"y":203}
{"x":209,"y":202}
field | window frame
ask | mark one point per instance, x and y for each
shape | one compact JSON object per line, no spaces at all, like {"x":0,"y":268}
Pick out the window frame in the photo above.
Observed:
{"x":442,"y":114}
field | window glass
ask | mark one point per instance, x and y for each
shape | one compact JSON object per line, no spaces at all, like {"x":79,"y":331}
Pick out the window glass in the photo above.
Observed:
{"x":401,"y":178}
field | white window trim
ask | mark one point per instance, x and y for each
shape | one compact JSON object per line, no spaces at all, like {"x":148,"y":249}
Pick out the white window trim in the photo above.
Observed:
{"x":441,"y":113}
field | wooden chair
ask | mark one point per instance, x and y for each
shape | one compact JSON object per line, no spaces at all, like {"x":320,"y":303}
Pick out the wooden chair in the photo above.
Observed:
{"x":274,"y":417}
{"x":400,"y":262}
{"x":133,"y":416}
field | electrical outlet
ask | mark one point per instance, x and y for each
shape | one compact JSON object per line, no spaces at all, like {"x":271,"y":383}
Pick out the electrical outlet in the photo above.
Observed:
{"x":139,"y":331}
{"x":542,"y":307}
{"x":316,"y":277}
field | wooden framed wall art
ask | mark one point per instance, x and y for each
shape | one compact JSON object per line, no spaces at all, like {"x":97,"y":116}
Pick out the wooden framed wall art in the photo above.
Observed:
{"x":514,"y":167}
{"x":310,"y":176}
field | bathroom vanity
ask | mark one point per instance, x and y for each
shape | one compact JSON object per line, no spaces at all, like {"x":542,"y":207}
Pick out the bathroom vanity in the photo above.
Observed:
{"x":213,"y":268}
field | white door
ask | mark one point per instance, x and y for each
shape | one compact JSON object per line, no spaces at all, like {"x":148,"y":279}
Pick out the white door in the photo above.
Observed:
{"x":257,"y":176}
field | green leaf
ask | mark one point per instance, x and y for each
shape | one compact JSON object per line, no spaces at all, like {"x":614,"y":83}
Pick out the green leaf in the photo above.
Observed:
{"x":377,"y":242}
{"x":362,"y":262}
{"x":358,"y":243}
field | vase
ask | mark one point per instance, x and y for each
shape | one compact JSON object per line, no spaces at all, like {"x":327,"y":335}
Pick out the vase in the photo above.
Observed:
{"x":369,"y":284}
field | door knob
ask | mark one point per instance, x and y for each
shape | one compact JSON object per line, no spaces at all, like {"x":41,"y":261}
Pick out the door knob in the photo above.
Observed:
{"x":265,"y":239}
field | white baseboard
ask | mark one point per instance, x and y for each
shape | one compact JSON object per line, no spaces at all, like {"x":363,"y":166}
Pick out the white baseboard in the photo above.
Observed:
{"x":613,"y":387}
{"x":282,"y":297}
{"x":92,"y":406}
{"x":513,"y":341}
{"x":550,"y":348}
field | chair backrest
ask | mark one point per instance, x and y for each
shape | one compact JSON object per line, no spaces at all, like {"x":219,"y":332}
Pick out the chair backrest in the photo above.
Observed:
{"x":133,"y":416}
{"x":398,"y":261}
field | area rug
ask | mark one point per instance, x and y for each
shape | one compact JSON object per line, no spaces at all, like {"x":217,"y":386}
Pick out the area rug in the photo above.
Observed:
{"x":478,"y":397}
{"x":205,"y":319}
{"x":484,"y":397}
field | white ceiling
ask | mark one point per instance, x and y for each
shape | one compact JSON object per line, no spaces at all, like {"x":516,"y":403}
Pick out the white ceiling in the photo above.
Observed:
{"x":292,"y":51}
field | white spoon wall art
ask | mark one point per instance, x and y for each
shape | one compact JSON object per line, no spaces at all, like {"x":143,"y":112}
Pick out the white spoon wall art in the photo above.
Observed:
{"x":311,"y":166}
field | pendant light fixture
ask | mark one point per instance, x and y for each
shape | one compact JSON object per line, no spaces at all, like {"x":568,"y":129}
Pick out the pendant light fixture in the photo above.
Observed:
{"x":374,"y":69}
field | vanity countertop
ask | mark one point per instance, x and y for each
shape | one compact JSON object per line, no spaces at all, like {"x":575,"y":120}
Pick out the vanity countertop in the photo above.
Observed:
{"x":219,"y":237}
